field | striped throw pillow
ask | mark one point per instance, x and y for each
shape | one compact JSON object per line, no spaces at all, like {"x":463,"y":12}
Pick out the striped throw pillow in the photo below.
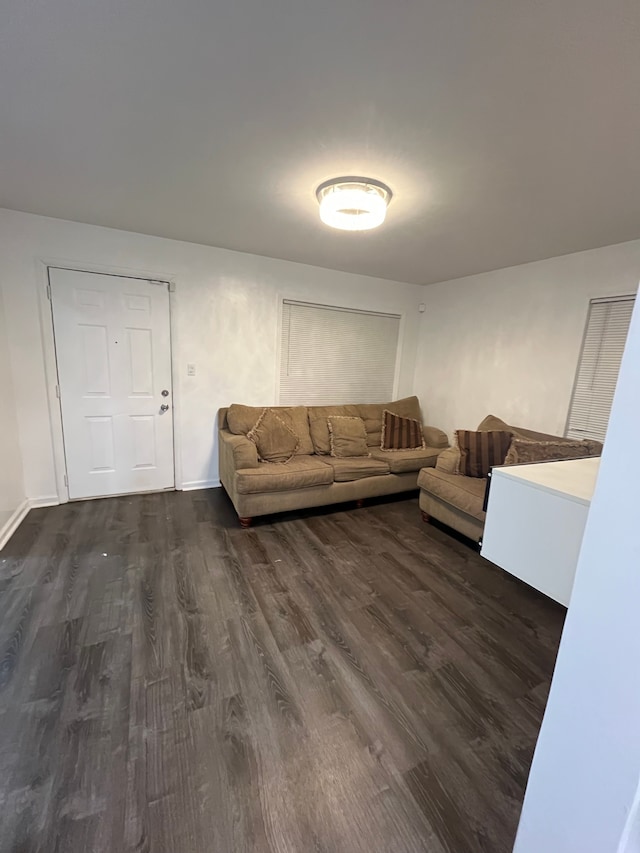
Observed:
{"x":400,"y":433}
{"x":480,"y":451}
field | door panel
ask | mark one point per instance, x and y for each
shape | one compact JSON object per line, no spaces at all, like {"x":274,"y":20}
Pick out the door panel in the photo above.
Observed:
{"x":144,"y":441}
{"x":113,"y":350}
{"x":95,"y":360}
{"x":101,"y":445}
{"x":140,"y":363}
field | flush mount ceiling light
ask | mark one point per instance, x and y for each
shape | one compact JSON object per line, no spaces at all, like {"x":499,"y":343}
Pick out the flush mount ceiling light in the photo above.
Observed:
{"x":353,"y":204}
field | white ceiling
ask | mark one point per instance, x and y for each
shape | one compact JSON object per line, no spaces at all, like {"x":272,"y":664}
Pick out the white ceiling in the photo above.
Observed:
{"x":508,"y":129}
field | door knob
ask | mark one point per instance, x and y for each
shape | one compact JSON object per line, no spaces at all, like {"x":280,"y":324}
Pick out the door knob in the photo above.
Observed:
{"x":165,"y":393}
{"x":164,"y":407}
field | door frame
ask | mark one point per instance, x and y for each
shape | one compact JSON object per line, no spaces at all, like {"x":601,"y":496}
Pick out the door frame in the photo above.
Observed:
{"x":45,"y":308}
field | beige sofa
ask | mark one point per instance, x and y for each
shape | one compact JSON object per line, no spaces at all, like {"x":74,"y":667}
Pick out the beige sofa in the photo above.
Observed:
{"x":313,"y":477}
{"x":458,"y":501}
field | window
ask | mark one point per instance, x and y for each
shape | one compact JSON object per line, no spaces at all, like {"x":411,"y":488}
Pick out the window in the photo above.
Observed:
{"x":602,"y":348}
{"x":335,"y":355}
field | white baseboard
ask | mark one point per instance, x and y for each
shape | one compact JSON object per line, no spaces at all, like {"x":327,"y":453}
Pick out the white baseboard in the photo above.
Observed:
{"x":8,"y":529}
{"x":191,"y":485}
{"x":45,"y":500}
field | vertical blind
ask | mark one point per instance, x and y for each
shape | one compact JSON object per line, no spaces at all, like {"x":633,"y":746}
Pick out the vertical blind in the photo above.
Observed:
{"x":335,"y":355}
{"x":597,"y":375}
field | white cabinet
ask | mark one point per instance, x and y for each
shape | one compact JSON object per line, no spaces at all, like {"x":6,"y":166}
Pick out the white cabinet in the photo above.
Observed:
{"x":536,"y":516}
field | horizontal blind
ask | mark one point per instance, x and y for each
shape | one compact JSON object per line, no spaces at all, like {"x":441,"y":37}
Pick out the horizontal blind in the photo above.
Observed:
{"x":333,"y":355}
{"x":602,"y":349}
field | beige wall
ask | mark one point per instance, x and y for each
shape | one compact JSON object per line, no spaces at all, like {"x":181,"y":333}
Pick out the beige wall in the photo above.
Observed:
{"x":225,"y":311}
{"x":505,"y":342}
{"x":508,"y":342}
{"x":11,"y":483}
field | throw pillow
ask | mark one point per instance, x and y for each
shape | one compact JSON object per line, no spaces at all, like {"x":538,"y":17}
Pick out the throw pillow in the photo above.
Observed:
{"x":373,"y":415}
{"x":400,"y":433}
{"x":273,"y":438}
{"x":481,"y":450}
{"x":347,"y":436}
{"x":523,"y":451}
{"x":241,"y":420}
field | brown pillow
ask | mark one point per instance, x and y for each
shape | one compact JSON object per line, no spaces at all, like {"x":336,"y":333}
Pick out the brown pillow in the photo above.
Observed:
{"x":401,"y":433}
{"x":523,"y":451}
{"x":347,"y":436}
{"x":273,"y":438}
{"x":481,"y":450}
{"x":373,"y":413}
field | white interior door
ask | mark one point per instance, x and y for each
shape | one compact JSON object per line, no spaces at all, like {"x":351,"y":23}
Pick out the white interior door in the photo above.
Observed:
{"x":113,"y":349}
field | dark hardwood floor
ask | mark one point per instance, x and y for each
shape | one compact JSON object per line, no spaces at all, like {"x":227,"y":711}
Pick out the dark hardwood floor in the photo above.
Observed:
{"x":340,"y":680}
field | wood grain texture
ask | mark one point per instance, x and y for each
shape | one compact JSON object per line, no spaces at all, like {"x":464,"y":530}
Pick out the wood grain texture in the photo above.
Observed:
{"x":333,"y":680}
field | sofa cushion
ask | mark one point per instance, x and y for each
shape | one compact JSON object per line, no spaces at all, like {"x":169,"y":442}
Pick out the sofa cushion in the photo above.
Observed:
{"x":299,"y":473}
{"x":434,"y":437}
{"x":400,"y":433}
{"x":371,"y":414}
{"x":241,"y":420}
{"x":481,"y":450}
{"x":318,"y":427}
{"x":491,"y":422}
{"x":523,"y":451}
{"x":356,"y":468}
{"x":404,"y":461}
{"x":347,"y":436}
{"x":449,"y":461}
{"x":464,"y":493}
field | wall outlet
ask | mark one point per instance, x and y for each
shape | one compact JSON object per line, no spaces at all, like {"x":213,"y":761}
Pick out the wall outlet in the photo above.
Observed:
{"x":191,"y":369}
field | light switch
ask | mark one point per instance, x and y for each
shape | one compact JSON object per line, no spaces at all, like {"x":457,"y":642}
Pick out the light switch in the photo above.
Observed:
{"x":191,"y":369}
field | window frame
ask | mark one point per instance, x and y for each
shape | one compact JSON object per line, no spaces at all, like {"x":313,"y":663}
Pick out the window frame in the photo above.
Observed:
{"x":373,"y":306}
{"x":608,"y":300}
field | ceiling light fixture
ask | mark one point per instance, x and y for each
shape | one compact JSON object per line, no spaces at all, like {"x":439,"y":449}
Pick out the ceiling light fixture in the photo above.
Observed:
{"x":353,"y":204}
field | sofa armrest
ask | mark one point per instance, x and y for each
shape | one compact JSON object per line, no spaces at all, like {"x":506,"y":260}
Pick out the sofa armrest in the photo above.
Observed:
{"x":435,"y":437}
{"x":236,"y":451}
{"x":449,"y":461}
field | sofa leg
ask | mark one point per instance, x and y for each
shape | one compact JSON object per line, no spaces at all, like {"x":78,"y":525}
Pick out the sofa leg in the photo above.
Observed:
{"x":245,"y":521}
{"x":425,"y":516}
{"x":360,"y":503}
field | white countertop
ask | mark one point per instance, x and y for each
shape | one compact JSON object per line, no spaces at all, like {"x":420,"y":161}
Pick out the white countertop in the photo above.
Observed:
{"x":574,"y":479}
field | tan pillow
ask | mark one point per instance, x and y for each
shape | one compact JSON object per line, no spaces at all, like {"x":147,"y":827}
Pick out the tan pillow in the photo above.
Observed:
{"x":347,"y":436}
{"x":480,"y":450}
{"x":319,"y":428}
{"x":400,"y":433}
{"x":297,"y":419}
{"x":241,"y":419}
{"x":275,"y":441}
{"x":523,"y":451}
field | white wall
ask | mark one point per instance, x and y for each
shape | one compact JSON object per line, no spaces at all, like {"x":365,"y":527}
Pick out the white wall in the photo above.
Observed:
{"x":508,"y":342}
{"x":12,"y":496}
{"x":225,"y":311}
{"x":582,"y":790}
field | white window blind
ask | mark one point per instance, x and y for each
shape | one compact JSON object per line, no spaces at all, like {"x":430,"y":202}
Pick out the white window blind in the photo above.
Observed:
{"x":602,"y":349}
{"x":336,"y":355}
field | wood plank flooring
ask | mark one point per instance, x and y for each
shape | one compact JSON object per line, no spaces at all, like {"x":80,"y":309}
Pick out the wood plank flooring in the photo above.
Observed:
{"x":338,"y":680}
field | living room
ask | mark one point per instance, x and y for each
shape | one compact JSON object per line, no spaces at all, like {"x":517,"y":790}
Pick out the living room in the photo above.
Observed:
{"x":492,"y":295}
